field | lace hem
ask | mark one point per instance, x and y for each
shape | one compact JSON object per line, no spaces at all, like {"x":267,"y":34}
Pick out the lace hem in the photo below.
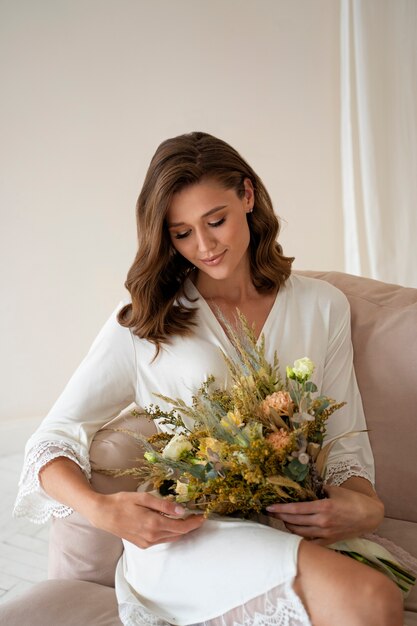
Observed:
{"x":32,"y":502}
{"x":347,"y":467}
{"x":278,"y":607}
{"x":133,"y":615}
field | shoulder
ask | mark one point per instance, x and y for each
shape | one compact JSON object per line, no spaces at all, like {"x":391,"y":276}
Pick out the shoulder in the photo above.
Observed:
{"x":317,"y":292}
{"x":112,"y":332}
{"x":322,"y":306}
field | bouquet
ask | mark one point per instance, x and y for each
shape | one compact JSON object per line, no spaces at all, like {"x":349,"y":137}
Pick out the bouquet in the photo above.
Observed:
{"x":259,"y":443}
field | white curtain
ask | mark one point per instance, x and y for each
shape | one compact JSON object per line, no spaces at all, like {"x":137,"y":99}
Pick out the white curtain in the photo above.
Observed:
{"x":379,"y":138}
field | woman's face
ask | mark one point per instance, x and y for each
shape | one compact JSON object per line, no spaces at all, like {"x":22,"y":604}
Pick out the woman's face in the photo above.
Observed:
{"x":208,"y":226}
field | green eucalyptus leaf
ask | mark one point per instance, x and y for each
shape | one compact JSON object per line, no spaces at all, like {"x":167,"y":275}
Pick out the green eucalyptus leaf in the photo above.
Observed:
{"x":296,"y":470}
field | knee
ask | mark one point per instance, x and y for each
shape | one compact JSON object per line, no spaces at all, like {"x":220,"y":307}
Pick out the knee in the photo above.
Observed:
{"x":385,"y":602}
{"x":356,"y":594}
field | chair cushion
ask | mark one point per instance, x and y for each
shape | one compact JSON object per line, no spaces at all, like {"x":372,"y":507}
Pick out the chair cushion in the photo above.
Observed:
{"x":77,"y":550}
{"x":403,"y":534}
{"x":410,"y":619}
{"x":62,"y":603}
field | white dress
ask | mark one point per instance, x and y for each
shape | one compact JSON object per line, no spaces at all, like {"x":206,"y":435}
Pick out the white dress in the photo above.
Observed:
{"x":206,"y":573}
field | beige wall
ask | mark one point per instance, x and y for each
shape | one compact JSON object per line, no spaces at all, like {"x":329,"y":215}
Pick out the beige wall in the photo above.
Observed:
{"x":90,"y":87}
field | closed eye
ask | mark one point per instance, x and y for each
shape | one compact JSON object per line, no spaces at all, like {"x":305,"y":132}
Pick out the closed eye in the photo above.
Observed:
{"x":182,"y":235}
{"x":185,"y":234}
{"x":218,"y":223}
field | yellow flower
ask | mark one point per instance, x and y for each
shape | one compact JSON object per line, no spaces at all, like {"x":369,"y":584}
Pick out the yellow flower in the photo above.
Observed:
{"x":209,"y":443}
{"x":253,"y":476}
{"x":232,"y":420}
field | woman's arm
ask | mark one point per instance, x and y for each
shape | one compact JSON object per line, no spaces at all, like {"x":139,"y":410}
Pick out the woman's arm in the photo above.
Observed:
{"x":137,"y":517}
{"x":101,"y":387}
{"x":352,"y":507}
{"x":55,"y":477}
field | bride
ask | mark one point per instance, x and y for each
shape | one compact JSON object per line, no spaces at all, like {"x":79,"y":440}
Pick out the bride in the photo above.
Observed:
{"x":207,"y":244}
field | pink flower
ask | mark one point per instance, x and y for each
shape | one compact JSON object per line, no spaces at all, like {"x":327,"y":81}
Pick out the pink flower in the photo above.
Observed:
{"x":279,"y":440}
{"x":280,"y":401}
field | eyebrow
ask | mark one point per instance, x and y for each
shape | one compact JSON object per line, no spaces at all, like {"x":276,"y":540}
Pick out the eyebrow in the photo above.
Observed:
{"x":214,"y":210}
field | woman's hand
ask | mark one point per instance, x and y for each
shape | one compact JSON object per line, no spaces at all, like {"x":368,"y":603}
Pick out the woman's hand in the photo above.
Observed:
{"x":344,"y":514}
{"x":142,"y":518}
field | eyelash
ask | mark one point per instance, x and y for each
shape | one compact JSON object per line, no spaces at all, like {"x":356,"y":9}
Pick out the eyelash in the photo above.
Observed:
{"x":212,"y":225}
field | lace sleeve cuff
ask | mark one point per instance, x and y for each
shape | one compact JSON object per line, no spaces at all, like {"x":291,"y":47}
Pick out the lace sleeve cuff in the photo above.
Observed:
{"x":340,"y":470}
{"x":32,"y":502}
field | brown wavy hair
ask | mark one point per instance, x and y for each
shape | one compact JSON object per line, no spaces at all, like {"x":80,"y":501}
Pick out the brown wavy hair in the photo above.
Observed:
{"x":156,"y":278}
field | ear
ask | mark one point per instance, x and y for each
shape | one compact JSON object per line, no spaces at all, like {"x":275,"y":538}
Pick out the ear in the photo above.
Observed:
{"x":249,"y":198}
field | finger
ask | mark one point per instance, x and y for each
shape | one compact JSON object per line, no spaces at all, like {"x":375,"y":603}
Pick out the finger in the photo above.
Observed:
{"x":174,"y":537}
{"x":151,"y":541}
{"x":313,"y":506}
{"x":179,"y":526}
{"x":156,"y":525}
{"x":305,"y":531}
{"x":300,"y":520}
{"x":160,"y":531}
{"x":144,"y":543}
{"x":162,"y":505}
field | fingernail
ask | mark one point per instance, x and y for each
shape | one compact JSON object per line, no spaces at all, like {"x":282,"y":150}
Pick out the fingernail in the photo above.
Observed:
{"x":179,"y":510}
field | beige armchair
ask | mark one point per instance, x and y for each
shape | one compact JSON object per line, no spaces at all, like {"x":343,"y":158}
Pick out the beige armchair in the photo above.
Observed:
{"x":384,"y":331}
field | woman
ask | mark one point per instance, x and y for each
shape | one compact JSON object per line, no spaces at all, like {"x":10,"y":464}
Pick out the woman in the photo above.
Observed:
{"x":207,"y":244}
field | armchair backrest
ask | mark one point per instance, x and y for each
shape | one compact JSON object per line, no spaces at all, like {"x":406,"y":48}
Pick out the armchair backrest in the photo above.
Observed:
{"x":384,"y":335}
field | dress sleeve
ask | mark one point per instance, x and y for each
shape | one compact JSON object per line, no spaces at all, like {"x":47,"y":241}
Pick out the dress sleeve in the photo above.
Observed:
{"x":351,"y":455}
{"x":102,"y":386}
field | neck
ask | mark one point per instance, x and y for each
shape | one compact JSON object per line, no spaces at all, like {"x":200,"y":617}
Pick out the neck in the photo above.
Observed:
{"x":235,"y":290}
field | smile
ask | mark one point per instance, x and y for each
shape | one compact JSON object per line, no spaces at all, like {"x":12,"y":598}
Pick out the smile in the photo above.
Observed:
{"x":214,"y":260}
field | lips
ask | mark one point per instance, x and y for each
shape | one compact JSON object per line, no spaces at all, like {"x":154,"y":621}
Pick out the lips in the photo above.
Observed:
{"x":213,"y":260}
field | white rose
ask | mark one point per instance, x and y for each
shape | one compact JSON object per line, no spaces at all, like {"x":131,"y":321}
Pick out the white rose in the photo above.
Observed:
{"x":303,"y":368}
{"x":174,"y":448}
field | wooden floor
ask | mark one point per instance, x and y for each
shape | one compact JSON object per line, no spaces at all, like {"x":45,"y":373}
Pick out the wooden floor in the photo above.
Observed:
{"x":23,"y":546}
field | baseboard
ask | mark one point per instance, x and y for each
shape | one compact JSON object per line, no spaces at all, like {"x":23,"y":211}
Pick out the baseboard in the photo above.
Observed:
{"x":15,"y":433}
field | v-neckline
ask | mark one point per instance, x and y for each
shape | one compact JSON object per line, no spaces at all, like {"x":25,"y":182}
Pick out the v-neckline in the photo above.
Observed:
{"x":218,"y":325}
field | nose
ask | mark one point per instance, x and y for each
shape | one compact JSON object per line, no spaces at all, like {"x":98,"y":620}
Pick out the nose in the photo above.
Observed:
{"x":206,"y":242}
